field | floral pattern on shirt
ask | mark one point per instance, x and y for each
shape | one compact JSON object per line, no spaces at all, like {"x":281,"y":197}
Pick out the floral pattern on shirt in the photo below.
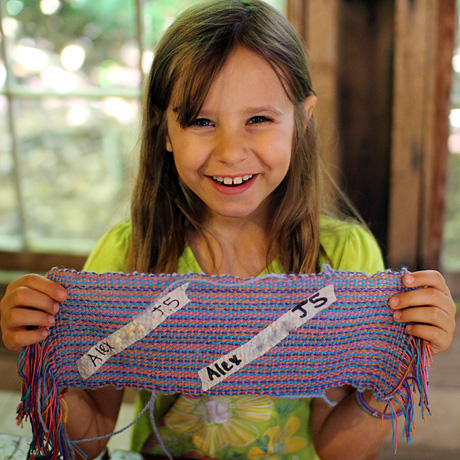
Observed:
{"x":278,"y":441}
{"x":216,"y":422}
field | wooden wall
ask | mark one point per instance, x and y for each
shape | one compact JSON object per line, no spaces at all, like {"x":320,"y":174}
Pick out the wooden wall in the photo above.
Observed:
{"x":382,"y":71}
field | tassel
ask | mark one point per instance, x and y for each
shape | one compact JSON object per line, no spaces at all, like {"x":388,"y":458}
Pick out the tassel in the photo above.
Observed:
{"x":414,"y":378}
{"x":40,"y":403}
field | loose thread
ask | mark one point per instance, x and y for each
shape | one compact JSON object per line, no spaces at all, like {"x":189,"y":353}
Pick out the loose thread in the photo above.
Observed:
{"x":151,"y":405}
{"x":100,"y":438}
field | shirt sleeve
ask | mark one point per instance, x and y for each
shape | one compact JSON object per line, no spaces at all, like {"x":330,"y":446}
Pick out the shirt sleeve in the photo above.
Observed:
{"x":111,"y":252}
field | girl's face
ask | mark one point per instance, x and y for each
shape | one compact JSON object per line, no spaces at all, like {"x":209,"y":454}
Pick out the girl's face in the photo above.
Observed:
{"x":238,"y":149}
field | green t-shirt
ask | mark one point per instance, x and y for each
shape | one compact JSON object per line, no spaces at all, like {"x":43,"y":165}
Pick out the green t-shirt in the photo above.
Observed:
{"x":244,"y":427}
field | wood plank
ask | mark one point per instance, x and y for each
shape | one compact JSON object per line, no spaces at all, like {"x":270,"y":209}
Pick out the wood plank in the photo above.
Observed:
{"x":321,"y":38}
{"x":37,"y":262}
{"x":365,"y":97}
{"x":296,"y":14}
{"x":440,"y":47}
{"x":411,"y":24}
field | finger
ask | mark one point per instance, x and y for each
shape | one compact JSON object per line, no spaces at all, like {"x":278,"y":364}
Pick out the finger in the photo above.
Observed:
{"x":21,"y":318}
{"x":26,"y":297}
{"x":431,"y":316}
{"x":430,"y":278}
{"x":422,"y":296}
{"x":16,"y":340}
{"x":439,"y":340}
{"x":40,"y":284}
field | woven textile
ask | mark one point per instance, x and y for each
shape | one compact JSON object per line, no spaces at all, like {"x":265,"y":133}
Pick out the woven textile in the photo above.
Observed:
{"x":353,"y":341}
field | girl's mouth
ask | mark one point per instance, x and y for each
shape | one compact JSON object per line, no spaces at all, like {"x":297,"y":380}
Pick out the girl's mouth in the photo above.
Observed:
{"x":232,"y":181}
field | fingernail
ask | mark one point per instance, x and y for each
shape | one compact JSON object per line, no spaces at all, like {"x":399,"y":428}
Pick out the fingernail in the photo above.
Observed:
{"x":62,"y":295}
{"x":409,"y":279}
{"x":397,"y":315}
{"x":51,"y":319}
{"x":56,"y":307}
{"x":393,"y":302}
{"x":45,"y":332}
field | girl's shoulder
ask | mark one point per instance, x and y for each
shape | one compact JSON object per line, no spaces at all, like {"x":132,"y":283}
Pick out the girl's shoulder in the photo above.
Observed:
{"x":348,"y":245}
{"x":111,"y":251}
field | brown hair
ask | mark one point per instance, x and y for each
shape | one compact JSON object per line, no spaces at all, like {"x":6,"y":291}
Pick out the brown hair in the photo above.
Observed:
{"x":188,"y":58}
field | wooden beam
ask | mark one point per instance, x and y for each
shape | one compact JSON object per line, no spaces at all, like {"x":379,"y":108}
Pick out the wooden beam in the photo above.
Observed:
{"x":407,"y":158}
{"x":424,"y":37}
{"x":322,"y":38}
{"x":296,"y":14}
{"x":365,"y":83}
{"x":317,"y":22}
{"x":440,"y":48}
{"x":35,"y":262}
{"x":453,"y":281}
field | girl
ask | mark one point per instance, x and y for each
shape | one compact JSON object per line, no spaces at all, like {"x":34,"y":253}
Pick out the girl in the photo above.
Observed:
{"x":230,"y":183}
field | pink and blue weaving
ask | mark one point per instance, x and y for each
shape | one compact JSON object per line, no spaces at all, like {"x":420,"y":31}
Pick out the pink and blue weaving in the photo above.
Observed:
{"x":353,"y":341}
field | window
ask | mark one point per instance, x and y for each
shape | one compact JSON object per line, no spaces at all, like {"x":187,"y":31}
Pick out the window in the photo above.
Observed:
{"x":70,"y":79}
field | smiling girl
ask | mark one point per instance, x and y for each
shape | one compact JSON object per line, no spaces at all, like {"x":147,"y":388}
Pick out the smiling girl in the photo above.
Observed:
{"x":230,"y":183}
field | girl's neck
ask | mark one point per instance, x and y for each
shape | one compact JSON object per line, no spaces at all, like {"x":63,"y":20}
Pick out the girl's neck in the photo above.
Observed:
{"x":239,"y":247}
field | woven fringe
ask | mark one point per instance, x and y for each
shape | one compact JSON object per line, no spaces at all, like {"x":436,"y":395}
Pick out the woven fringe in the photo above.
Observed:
{"x":413,"y":378}
{"x":40,"y":403}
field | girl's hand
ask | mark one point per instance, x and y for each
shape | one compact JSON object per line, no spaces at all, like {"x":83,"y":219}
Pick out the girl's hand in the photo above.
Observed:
{"x":27,"y":310}
{"x":429,"y":311}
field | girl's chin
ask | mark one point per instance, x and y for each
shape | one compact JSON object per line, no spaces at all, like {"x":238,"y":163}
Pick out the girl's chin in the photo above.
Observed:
{"x":253,"y":213}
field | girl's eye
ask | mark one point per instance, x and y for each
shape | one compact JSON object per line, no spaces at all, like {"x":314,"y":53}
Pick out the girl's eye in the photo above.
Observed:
{"x":201,"y":122}
{"x":258,"y":119}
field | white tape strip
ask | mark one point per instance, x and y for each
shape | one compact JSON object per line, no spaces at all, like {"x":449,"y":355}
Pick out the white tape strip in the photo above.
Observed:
{"x":137,"y":329}
{"x":259,"y":345}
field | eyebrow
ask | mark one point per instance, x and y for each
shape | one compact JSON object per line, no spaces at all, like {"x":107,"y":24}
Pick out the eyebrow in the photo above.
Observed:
{"x":251,"y":110}
{"x":264,"y":108}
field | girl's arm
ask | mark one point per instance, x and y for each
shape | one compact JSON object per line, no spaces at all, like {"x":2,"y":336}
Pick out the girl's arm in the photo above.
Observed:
{"x":344,"y":431}
{"x":347,"y":432}
{"x":91,"y":414}
{"x":27,"y":312}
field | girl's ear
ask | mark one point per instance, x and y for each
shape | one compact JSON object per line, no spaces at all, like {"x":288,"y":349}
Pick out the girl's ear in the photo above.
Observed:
{"x":168,"y":144}
{"x":309,"y":105}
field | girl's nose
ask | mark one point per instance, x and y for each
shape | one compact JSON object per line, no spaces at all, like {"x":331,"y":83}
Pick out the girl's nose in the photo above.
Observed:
{"x":231,"y":147}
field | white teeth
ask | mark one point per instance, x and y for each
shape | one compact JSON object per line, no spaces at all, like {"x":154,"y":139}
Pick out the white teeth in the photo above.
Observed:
{"x":232,"y":181}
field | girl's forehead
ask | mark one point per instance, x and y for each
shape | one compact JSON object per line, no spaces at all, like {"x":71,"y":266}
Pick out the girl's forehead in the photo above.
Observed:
{"x":242,"y":72}
{"x":246,"y":74}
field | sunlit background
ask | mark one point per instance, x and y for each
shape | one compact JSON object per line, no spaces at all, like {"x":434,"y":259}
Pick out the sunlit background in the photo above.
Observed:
{"x":71,"y":73}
